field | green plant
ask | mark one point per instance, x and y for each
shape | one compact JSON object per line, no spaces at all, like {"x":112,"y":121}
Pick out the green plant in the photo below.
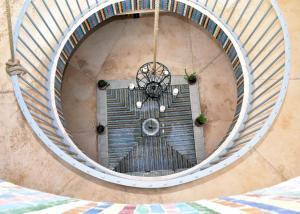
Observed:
{"x":201,"y":119}
{"x":191,"y":78}
{"x":103,"y":84}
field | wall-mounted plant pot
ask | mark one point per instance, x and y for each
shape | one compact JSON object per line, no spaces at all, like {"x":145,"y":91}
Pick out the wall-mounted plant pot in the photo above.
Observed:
{"x":191,"y":78}
{"x":100,"y":129}
{"x":192,"y":81}
{"x":199,"y":124}
{"x":201,"y":120}
{"x":102,"y":84}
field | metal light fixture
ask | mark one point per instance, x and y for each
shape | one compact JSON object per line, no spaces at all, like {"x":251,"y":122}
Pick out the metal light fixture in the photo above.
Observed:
{"x":154,"y":78}
{"x":153,"y":82}
{"x":131,"y":86}
{"x":162,"y":109}
{"x":175,"y":92}
{"x":139,"y":104}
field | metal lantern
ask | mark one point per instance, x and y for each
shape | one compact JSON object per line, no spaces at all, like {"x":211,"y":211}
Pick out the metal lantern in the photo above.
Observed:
{"x":153,"y":80}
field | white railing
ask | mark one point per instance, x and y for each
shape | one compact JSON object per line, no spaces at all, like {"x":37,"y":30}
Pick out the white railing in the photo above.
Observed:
{"x":255,"y":29}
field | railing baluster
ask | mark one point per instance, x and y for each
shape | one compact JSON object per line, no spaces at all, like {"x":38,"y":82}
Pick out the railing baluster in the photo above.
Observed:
{"x":61,"y":13}
{"x":79,"y":7}
{"x":35,"y":42}
{"x":52,"y":133}
{"x":259,"y":113}
{"x":267,"y":89}
{"x":39,"y":31}
{"x":266,"y":69}
{"x":269,"y":77}
{"x":35,"y":99}
{"x":215,"y":4}
{"x":32,"y":52}
{"x":264,"y":33}
{"x":238,"y":144}
{"x":36,"y":80}
{"x":248,"y":133}
{"x":46,"y":24}
{"x":33,"y":88}
{"x":33,"y":66}
{"x":250,"y":19}
{"x":45,"y":114}
{"x":257,"y":122}
{"x":206,"y":3}
{"x":275,"y":46}
{"x":56,"y":141}
{"x":223,"y":9}
{"x":257,"y":26}
{"x":88,"y":4}
{"x":50,"y":13}
{"x":241,"y":15}
{"x":42,"y":120}
{"x":263,"y":60}
{"x":232,"y":11}
{"x":68,"y":5}
{"x":266,"y":100}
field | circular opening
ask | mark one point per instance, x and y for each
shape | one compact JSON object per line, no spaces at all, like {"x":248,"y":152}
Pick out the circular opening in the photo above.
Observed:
{"x":203,"y":17}
{"x":129,"y":111}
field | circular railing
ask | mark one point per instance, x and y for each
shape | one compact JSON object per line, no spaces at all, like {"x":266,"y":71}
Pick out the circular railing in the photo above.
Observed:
{"x":257,"y":44}
{"x":69,"y":45}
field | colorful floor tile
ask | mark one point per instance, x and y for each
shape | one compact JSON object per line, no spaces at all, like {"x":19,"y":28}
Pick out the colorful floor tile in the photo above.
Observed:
{"x":283,"y":198}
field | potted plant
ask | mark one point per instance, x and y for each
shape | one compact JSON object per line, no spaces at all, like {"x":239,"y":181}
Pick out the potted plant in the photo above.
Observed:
{"x":191,"y":78}
{"x":201,"y":120}
{"x":103,"y":84}
{"x":100,"y":129}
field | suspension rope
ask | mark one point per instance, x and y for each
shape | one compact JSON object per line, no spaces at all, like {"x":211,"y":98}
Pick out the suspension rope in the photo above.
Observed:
{"x":156,"y":28}
{"x":9,"y":25}
{"x":13,"y":66}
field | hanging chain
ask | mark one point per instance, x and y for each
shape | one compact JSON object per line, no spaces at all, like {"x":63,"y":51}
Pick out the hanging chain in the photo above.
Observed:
{"x":156,"y":28}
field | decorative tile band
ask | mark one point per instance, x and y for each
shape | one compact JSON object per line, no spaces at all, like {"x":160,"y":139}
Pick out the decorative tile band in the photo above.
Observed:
{"x":282,"y":198}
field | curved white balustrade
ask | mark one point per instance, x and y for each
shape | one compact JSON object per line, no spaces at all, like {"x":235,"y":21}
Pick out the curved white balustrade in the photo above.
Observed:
{"x":256,"y":30}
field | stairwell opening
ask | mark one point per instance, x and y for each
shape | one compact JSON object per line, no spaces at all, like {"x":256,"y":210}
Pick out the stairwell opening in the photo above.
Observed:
{"x":113,"y":51}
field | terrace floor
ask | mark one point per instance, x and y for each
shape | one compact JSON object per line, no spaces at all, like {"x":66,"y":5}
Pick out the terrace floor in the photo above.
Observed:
{"x":117,"y":49}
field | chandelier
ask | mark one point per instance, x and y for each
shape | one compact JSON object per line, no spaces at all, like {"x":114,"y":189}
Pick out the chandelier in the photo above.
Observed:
{"x":153,"y":82}
{"x":153,"y":78}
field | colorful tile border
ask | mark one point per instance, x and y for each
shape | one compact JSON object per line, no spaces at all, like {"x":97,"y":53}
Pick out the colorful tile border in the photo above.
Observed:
{"x":282,"y":198}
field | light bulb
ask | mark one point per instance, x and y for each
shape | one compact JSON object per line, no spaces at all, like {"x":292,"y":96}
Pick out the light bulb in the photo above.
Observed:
{"x":175,"y":92}
{"x":139,"y":104}
{"x":131,"y":86}
{"x":162,"y":108}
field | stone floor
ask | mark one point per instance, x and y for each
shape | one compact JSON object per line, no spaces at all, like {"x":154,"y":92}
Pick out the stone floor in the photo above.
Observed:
{"x":25,"y":161}
{"x":119,"y":48}
{"x":126,"y":144}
